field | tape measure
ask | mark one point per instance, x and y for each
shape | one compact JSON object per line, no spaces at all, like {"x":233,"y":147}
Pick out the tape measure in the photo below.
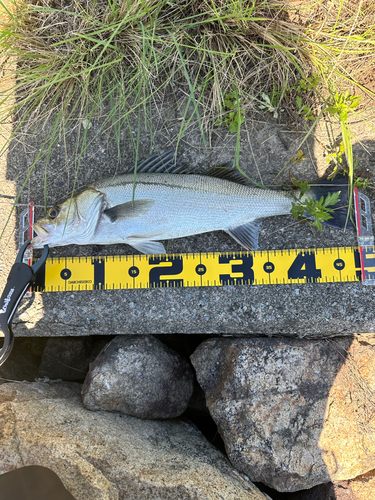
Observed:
{"x":267,"y":267}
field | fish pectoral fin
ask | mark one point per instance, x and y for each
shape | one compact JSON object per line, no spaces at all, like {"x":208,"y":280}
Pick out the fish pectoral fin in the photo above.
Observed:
{"x":147,"y":246}
{"x":128,"y":210}
{"x":247,"y":235}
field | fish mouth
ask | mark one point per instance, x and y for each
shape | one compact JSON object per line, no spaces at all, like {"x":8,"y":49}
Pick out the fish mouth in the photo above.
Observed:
{"x":42,"y":234}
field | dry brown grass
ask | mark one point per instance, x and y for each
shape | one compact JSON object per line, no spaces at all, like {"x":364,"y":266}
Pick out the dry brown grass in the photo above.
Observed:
{"x":78,"y":57}
{"x":256,"y":46}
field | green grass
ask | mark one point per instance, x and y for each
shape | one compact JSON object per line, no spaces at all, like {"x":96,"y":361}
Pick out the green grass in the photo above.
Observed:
{"x":75,"y":59}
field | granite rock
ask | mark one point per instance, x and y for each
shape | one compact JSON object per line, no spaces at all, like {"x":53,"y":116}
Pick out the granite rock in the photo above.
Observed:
{"x":139,"y":376}
{"x":109,"y":456}
{"x":360,"y":488}
{"x":292,"y":413}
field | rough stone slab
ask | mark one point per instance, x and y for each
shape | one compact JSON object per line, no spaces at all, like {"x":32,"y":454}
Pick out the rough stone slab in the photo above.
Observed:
{"x":309,"y":310}
{"x":107,"y":456}
{"x":361,"y":488}
{"x":304,"y":310}
{"x":292,"y":413}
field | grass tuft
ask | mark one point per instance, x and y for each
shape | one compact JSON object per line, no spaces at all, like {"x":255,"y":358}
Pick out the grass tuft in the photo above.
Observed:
{"x":76,"y":57}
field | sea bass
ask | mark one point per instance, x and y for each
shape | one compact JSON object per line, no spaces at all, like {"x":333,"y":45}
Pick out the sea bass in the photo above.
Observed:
{"x":165,"y":206}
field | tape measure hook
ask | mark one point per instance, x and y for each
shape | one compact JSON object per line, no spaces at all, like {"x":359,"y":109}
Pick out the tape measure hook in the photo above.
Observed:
{"x":365,"y":237}
{"x":363,"y":216}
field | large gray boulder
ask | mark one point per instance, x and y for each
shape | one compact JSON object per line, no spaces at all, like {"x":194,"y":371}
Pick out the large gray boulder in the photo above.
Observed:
{"x":108,"y":456}
{"x":292,"y":413}
{"x":139,"y":376}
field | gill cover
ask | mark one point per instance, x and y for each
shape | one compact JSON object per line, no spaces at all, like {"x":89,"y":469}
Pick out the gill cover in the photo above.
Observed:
{"x":71,"y":222}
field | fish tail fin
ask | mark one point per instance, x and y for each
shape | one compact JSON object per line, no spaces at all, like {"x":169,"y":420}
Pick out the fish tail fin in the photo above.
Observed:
{"x":323,"y":187}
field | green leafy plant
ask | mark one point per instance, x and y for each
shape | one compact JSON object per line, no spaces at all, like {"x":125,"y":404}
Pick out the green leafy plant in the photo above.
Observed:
{"x":335,"y":154}
{"x":303,"y":186}
{"x":309,"y":83}
{"x":304,"y":87}
{"x":269,"y":104}
{"x":303,"y":109}
{"x":363,"y":182}
{"x":234,"y":116}
{"x":318,"y":210}
{"x":344,"y":104}
{"x":298,"y":157}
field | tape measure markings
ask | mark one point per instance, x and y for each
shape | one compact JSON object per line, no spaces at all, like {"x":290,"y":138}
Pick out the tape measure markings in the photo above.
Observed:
{"x":264,"y":267}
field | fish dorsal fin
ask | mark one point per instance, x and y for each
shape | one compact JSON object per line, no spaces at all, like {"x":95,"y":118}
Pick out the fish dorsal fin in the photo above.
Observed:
{"x":159,"y":163}
{"x":128,"y":210}
{"x":247,"y":235}
{"x":167,"y":163}
{"x":228,"y":173}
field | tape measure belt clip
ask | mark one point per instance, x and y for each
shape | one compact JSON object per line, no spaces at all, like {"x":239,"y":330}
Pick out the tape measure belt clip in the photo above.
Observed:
{"x":20,"y":278}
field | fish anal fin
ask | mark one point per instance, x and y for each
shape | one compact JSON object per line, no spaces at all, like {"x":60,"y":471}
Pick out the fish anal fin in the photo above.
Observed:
{"x":147,"y":246}
{"x":247,"y":235}
{"x":128,"y":210}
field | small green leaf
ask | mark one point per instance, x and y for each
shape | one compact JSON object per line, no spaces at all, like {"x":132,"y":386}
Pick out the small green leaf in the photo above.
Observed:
{"x":303,"y":186}
{"x":297,"y":210}
{"x":355,"y":104}
{"x":316,"y":209}
{"x":317,"y":224}
{"x":332,"y":110}
{"x":233,"y":127}
{"x":344,"y":116}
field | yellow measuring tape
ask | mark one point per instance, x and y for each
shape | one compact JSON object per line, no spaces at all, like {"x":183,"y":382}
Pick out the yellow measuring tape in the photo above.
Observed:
{"x":266,"y":267}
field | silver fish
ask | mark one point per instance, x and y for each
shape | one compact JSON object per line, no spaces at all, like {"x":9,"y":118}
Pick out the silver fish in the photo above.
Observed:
{"x":166,"y":206}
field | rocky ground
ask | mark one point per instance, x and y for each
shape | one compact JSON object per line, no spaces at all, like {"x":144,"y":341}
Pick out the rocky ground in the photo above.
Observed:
{"x":138,"y":416}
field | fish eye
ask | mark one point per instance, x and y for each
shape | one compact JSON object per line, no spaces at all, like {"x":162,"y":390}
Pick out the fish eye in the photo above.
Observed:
{"x":53,"y":212}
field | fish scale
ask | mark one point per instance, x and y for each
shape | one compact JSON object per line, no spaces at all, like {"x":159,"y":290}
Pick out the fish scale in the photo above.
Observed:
{"x":139,"y":209}
{"x":187,"y":204}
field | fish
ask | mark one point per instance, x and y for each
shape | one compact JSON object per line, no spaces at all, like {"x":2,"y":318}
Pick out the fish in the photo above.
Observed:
{"x":160,"y":202}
